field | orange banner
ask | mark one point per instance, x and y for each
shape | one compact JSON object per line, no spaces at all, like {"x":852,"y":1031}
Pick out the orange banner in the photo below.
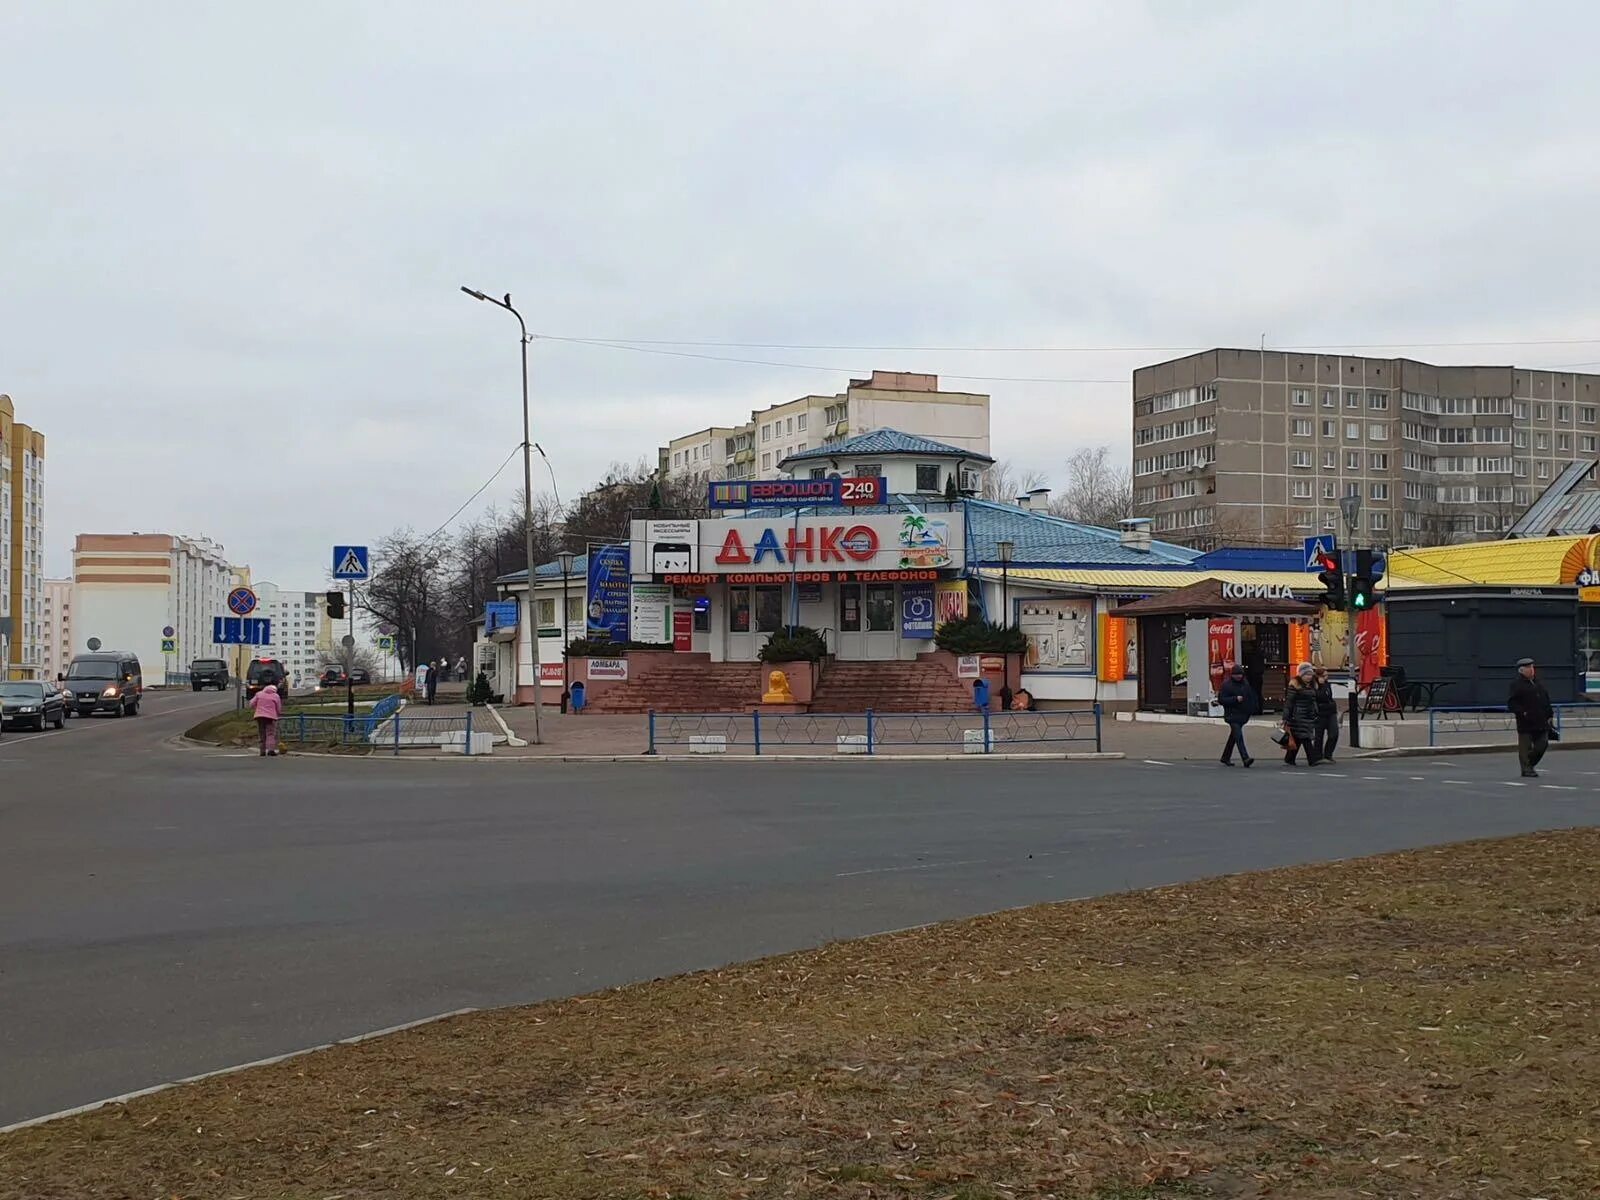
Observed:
{"x":1113,"y":648}
{"x":1299,"y":644}
{"x":1372,"y":645}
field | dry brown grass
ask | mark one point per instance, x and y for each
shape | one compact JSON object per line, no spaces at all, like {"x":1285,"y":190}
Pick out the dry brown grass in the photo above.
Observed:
{"x":1414,"y":1025}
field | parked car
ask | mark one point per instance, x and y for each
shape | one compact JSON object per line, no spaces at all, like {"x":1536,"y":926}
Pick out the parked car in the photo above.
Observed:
{"x":360,"y":675}
{"x":106,"y":681}
{"x":208,"y":672}
{"x":266,"y":672}
{"x":331,"y":678}
{"x":25,"y":704}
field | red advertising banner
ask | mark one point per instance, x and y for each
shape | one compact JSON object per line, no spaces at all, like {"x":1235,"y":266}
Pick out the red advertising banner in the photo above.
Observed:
{"x":683,"y":632}
{"x":1372,"y":645}
{"x":1223,"y":648}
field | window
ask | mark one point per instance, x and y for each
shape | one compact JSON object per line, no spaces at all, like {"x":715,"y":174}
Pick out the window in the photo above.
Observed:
{"x":766,"y":461}
{"x":1330,"y":399}
{"x":1563,"y":441}
{"x":1377,"y":432}
{"x":1300,"y":459}
{"x":1378,"y":491}
{"x":800,"y":449}
{"x":1352,"y":489}
{"x":868,"y":470}
{"x":1377,"y":462}
{"x":1378,"y":521}
{"x":1541,"y":441}
{"x":1300,"y":427}
{"x":1330,"y":460}
{"x":1378,"y":401}
{"x":1586,"y":414}
{"x":1541,"y":412}
{"x":819,"y":472}
{"x":880,"y":608}
{"x":1352,"y":431}
{"x":1496,"y":434}
{"x":1352,"y":399}
{"x":1519,"y":410}
{"x":1564,"y":413}
{"x":1327,"y":519}
{"x":1300,"y":397}
{"x":677,"y":458}
{"x":1520,"y":469}
{"x":766,"y":433}
{"x":769,"y":609}
{"x":1519,"y":439}
{"x":1352,"y":460}
{"x":1451,"y":436}
{"x":1413,"y":491}
{"x":928,"y":478}
{"x":1586,"y":443}
{"x":1300,"y":489}
{"x":1544,"y":470}
{"x":547,"y":612}
{"x":1330,"y":429}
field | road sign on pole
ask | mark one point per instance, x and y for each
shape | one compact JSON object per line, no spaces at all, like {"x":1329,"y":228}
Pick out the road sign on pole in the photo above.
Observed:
{"x":386,"y":643}
{"x":169,"y":645}
{"x":168,"y":631}
{"x":241,"y":602}
{"x":350,"y":562}
{"x":241,"y":631}
{"x":1318,"y":548}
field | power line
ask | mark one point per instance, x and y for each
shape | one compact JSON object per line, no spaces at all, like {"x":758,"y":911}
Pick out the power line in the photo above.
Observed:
{"x":475,"y":494}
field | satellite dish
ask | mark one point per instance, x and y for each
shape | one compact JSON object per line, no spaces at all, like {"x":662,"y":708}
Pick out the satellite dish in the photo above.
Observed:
{"x":94,"y":643}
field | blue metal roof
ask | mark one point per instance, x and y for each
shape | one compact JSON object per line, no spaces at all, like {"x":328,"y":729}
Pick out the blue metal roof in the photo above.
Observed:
{"x":886,"y":441}
{"x":549,"y":570}
{"x":1251,"y":558}
{"x":1042,"y":540}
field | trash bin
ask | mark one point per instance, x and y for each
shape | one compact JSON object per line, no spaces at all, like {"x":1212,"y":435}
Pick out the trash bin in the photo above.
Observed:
{"x":577,"y":696}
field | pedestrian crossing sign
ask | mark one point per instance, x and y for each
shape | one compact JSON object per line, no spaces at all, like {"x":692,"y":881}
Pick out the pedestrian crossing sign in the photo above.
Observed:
{"x":386,"y":644}
{"x":169,"y":645}
{"x":1319,"y":547}
{"x":349,"y":562}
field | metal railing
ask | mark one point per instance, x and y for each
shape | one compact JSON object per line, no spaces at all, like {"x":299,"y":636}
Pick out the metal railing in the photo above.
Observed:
{"x":393,"y":733}
{"x":872,"y":732}
{"x":1453,"y":719}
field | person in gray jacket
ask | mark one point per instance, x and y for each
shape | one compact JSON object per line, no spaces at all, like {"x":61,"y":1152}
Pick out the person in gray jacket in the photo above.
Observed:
{"x":1238,"y":700}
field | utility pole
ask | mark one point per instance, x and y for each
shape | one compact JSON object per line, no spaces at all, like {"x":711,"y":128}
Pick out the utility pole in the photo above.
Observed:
{"x":532,"y":628}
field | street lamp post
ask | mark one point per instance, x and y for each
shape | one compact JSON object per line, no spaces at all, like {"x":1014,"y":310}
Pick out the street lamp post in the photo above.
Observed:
{"x":1005,"y":549}
{"x":565,"y":558}
{"x":527,"y":500}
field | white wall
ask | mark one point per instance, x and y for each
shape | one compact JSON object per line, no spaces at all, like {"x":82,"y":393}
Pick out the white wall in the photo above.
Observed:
{"x":123,"y":617}
{"x":961,"y":421}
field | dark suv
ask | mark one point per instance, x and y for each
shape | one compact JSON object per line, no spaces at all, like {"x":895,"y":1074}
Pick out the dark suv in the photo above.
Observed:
{"x":266,"y":672}
{"x":208,"y":672}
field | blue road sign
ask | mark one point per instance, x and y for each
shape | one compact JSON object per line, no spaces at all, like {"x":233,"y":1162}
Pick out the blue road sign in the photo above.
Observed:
{"x":1316,"y":547}
{"x":349,"y":562}
{"x":241,"y":631}
{"x":241,"y":602}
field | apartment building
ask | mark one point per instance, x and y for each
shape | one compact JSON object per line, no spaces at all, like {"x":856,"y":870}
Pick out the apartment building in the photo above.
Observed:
{"x":1246,"y":446}
{"x":128,"y":587}
{"x":21,"y":546}
{"x":57,"y":632}
{"x":906,"y":401}
{"x":294,"y":617}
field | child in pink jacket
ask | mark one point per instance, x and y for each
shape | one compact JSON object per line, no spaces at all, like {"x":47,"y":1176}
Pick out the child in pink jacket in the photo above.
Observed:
{"x":268,"y":707}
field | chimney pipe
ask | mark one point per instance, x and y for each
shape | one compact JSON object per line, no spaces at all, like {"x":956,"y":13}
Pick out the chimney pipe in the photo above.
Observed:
{"x":1135,"y":533}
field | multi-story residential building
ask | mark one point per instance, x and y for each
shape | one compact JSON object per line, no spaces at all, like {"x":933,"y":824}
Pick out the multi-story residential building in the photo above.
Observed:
{"x":1246,"y":445}
{"x":912,"y":403}
{"x":129,"y":587}
{"x":21,"y":546}
{"x":57,"y":620}
{"x":294,"y":617}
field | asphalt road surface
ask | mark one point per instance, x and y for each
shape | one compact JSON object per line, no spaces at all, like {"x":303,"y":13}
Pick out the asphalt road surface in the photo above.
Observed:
{"x":165,"y":912}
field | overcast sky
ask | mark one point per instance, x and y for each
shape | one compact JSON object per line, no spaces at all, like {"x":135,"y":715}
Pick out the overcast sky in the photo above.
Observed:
{"x":233,"y":237}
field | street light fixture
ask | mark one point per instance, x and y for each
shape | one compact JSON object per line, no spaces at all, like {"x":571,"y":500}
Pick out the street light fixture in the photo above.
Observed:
{"x":527,"y":498}
{"x":1005,"y":549}
{"x":565,"y":558}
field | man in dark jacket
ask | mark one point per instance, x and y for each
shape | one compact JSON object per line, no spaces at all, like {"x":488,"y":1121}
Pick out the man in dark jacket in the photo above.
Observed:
{"x":1531,"y":705}
{"x":1327,"y":716}
{"x":1300,"y":717}
{"x":1238,"y":700}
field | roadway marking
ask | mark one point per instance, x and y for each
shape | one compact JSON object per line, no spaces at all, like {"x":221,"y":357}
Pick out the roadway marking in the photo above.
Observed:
{"x":965,"y":862}
{"x":1156,"y":762}
{"x":1513,"y":783}
{"x":1557,"y":787}
{"x":1373,"y":778}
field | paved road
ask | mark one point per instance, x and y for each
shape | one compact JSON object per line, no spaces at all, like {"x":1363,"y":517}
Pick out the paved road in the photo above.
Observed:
{"x":166,"y":912}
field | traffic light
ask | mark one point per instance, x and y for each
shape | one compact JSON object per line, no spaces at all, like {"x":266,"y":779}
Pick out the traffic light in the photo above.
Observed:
{"x":1332,"y":580}
{"x":335,"y":601}
{"x":1363,"y":584}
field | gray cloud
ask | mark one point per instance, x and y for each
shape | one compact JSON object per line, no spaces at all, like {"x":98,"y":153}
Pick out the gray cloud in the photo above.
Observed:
{"x":233,"y":238}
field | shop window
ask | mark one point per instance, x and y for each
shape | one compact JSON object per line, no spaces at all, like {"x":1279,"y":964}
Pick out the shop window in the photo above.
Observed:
{"x":769,"y":609}
{"x":928,"y":478}
{"x":880,"y":608}
{"x":738,"y":610}
{"x":850,"y":608}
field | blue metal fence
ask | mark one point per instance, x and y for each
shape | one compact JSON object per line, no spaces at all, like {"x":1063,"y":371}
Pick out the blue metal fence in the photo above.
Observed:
{"x":395,"y":732}
{"x":872,"y":732}
{"x":1452,"y":719}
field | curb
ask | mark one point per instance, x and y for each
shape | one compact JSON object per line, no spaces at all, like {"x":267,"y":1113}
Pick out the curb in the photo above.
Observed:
{"x":260,"y":1062}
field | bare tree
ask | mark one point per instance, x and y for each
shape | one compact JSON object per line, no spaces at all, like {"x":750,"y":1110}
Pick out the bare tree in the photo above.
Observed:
{"x":1004,"y":481}
{"x":351,"y":658}
{"x":1097,"y":491}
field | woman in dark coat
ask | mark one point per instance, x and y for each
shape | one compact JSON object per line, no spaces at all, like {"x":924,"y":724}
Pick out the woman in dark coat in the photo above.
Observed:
{"x":1300,"y":717}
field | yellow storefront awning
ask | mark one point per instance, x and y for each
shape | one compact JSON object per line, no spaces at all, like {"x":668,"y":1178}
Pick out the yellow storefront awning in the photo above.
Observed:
{"x":1550,"y":561}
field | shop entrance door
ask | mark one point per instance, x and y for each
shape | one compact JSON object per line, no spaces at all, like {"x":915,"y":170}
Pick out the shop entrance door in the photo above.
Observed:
{"x":869,"y":626}
{"x":1264,"y":651}
{"x":754,"y":614}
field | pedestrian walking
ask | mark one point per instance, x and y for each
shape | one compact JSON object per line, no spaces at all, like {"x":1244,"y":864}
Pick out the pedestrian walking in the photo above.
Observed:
{"x":1531,"y":704}
{"x":461,"y":668}
{"x":267,"y":705}
{"x":432,"y":683}
{"x":1327,"y":717}
{"x":1238,"y":700}
{"x":1300,"y":717}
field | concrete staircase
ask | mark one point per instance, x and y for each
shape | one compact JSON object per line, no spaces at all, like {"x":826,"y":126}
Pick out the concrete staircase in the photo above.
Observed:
{"x":689,"y":683}
{"x":890,"y":687}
